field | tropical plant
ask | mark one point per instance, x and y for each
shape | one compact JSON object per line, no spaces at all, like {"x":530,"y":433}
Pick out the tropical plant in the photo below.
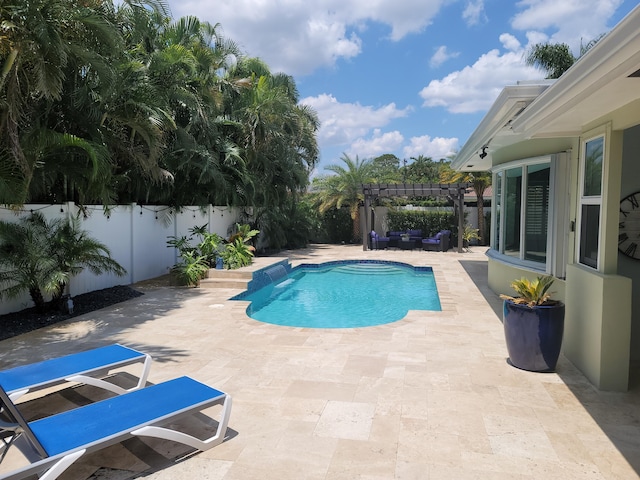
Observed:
{"x":344,"y":188}
{"x":469,"y":233}
{"x":237,"y":254}
{"x":532,"y":292}
{"x":555,"y":58}
{"x":243,"y":232}
{"x":207,"y":249}
{"x":210,"y":246}
{"x":386,"y":169}
{"x":422,"y":170}
{"x":104,"y":103}
{"x":40,"y":257}
{"x":74,"y":250}
{"x":190,"y":269}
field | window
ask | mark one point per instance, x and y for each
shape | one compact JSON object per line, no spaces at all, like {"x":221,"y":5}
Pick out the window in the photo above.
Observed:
{"x":512,"y":211}
{"x":590,"y":201}
{"x":497,"y":210}
{"x":523,"y":218}
{"x":536,"y":213}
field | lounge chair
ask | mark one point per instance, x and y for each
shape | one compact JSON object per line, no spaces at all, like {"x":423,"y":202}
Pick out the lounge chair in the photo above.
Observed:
{"x":53,"y":443}
{"x":84,"y":367}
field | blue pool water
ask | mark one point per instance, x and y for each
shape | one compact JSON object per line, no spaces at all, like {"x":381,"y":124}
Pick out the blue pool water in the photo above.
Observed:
{"x":345,"y":295}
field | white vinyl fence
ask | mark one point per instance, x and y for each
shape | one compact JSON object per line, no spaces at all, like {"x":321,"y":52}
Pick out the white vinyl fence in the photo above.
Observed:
{"x":136,"y":236}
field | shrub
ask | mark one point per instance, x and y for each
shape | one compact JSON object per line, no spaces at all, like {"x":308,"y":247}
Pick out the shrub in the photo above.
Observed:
{"x":338,"y":225}
{"x":41,"y":257}
{"x":429,"y":222}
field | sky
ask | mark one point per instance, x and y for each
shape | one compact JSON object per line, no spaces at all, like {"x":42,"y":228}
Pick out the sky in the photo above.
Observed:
{"x":405,"y":77}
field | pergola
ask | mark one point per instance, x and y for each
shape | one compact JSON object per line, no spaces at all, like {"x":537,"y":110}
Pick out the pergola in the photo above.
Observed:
{"x":454,"y":191}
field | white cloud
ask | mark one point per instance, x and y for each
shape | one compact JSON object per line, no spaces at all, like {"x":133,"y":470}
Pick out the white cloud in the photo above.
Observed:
{"x":441,"y":56}
{"x":474,"y":13}
{"x":435,"y":148}
{"x":379,"y":144}
{"x":509,"y":42}
{"x":475,"y":87}
{"x":299,"y":37}
{"x":343,"y":123}
{"x":571,"y":20}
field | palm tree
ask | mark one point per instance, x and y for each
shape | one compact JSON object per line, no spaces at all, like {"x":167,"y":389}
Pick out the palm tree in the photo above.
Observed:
{"x":344,"y":188}
{"x":74,"y":250}
{"x":24,"y":261}
{"x":40,"y":256}
{"x":276,"y":136}
{"x":555,"y":58}
{"x":479,"y":182}
{"x":46,"y":48}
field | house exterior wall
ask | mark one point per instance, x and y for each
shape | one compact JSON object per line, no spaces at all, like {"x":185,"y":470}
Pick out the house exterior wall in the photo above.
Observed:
{"x":598,"y":326}
{"x":598,"y":332}
{"x":629,"y":267}
{"x":500,"y":276}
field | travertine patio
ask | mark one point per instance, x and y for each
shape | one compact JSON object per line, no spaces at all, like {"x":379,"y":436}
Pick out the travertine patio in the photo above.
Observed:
{"x":428,"y":397}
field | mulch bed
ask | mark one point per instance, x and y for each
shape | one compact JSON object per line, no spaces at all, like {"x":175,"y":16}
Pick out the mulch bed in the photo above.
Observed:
{"x":27,"y":320}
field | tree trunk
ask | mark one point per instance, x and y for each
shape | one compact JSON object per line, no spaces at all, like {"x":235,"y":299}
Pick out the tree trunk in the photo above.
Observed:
{"x":356,"y":226}
{"x":481,"y":219}
{"x":38,"y":299}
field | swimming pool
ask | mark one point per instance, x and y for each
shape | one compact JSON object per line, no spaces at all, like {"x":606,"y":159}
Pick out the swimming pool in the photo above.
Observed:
{"x":344,"y":294}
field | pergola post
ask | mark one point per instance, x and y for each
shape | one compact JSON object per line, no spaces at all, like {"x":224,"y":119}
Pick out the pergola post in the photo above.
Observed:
{"x":460,"y":220}
{"x":367,"y":227}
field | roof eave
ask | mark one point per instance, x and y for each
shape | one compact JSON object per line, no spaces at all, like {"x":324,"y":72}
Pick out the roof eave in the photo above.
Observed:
{"x":511,"y":102}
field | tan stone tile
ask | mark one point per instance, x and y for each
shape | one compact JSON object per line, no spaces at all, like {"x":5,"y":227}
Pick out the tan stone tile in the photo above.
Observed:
{"x":326,"y":390}
{"x":356,"y":460}
{"x":346,"y":420}
{"x":365,"y":366}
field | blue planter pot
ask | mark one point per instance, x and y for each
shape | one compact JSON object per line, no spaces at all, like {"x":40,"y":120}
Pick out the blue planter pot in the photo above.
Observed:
{"x":219,"y":263}
{"x":533,"y":335}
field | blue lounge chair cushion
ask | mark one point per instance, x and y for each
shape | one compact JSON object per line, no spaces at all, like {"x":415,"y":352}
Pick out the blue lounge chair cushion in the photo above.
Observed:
{"x":94,"y":423}
{"x":59,"y":370}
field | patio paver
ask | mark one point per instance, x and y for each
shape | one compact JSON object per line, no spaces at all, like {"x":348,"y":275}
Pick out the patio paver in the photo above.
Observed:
{"x":429,"y":397}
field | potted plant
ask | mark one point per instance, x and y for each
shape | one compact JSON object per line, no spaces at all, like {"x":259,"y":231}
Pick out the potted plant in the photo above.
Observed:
{"x":533,"y":325}
{"x":469,"y":233}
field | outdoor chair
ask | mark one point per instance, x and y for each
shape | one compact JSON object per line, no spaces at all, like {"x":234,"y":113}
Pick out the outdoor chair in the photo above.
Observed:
{"x":84,"y":367}
{"x":378,"y":242}
{"x":415,"y":236}
{"x":439,"y":242}
{"x":394,"y":238}
{"x":51,"y":444}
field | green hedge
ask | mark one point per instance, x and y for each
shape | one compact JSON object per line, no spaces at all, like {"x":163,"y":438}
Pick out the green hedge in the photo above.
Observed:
{"x":429,"y":222}
{"x":337,"y":226}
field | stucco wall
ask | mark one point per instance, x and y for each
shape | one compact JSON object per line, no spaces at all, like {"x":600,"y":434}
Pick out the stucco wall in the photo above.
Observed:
{"x":598,"y":325}
{"x":501,"y":275}
{"x":628,"y":267}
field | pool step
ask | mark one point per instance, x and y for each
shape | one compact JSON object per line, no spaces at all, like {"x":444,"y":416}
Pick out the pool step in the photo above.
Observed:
{"x":226,"y":279}
{"x":368,"y":269}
